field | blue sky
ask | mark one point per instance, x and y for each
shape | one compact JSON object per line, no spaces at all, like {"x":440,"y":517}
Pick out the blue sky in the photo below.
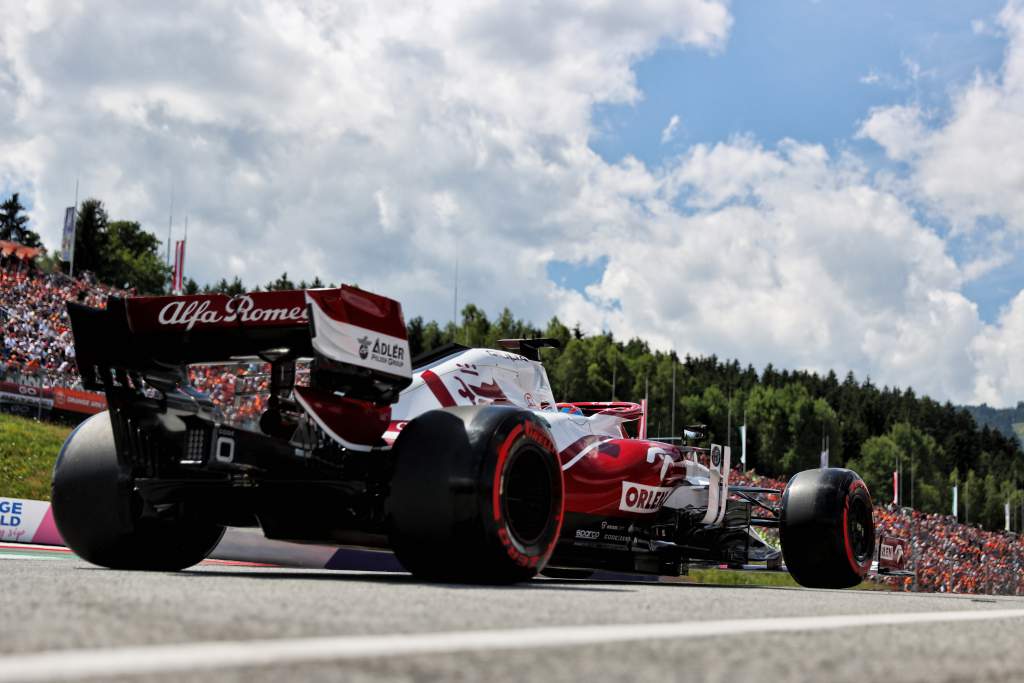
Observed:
{"x":810,"y":71}
{"x":794,"y":69}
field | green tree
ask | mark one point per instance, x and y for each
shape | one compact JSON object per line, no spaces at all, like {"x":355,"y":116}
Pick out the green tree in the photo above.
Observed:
{"x":90,"y":235}
{"x":281,"y":283}
{"x":14,"y":224}
{"x":878,"y":459}
{"x":434,"y":337}
{"x":475,"y":328}
{"x":414,"y":333}
{"x":768,"y":425}
{"x":233,"y":288}
{"x":568,"y":374}
{"x":131,"y":258}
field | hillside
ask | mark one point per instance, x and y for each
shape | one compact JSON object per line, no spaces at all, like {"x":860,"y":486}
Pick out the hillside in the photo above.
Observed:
{"x":1009,"y":421}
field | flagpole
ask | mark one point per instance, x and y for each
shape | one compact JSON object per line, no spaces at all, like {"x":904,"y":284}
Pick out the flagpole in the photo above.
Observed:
{"x":728,"y":425}
{"x":743,"y":442}
{"x":184,"y":248}
{"x":647,"y":402}
{"x":673,"y":427}
{"x":170,"y":223}
{"x":74,"y":218}
{"x":615,"y":366}
{"x":455,"y":288}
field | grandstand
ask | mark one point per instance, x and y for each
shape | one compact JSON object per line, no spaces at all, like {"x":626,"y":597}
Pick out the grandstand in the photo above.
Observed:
{"x":38,"y":375}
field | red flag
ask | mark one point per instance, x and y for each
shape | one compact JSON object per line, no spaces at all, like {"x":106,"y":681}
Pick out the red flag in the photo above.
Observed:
{"x":643,"y":419}
{"x":178,"y":279}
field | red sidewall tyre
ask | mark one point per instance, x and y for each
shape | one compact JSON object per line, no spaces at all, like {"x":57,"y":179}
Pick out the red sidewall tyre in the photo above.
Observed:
{"x":476,"y":495}
{"x":826,"y":528}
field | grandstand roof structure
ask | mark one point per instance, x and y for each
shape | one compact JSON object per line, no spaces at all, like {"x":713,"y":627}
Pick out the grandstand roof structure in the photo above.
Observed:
{"x":19,"y":251}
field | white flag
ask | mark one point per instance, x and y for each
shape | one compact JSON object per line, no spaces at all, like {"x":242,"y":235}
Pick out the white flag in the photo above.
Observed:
{"x":955,"y":515}
{"x":67,"y":242}
{"x":824,"y":453}
{"x":1007,"y":508}
{"x":743,"y":445}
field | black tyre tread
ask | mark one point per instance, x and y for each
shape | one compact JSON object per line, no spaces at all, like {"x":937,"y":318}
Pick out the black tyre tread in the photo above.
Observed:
{"x":811,"y":529}
{"x":98,"y":516}
{"x":437,"y":528}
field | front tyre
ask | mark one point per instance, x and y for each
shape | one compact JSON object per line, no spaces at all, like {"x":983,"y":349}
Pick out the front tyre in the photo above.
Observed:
{"x":826,"y":528}
{"x":476,"y":495}
{"x":100,"y":517}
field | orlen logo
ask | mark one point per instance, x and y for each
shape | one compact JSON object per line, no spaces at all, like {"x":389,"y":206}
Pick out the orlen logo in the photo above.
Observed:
{"x":642,"y":498}
{"x":892,"y":553}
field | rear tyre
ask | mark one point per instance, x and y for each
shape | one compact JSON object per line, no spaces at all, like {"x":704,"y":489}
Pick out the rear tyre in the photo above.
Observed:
{"x":826,"y":529}
{"x":100,"y":517}
{"x":476,"y":495}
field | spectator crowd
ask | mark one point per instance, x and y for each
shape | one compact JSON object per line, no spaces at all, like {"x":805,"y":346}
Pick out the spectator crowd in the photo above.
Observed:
{"x":37,"y":347}
{"x":239,"y":391}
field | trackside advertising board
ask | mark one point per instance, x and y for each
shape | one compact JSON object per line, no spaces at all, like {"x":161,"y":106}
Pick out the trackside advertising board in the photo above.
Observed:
{"x":71,"y":400}
{"x":893,"y":554}
{"x":27,"y":521}
{"x":78,"y":401}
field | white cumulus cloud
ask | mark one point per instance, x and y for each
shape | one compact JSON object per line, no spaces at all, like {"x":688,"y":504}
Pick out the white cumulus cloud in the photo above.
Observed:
{"x":366,"y":142}
{"x":970,"y":167}
{"x":670,"y":129}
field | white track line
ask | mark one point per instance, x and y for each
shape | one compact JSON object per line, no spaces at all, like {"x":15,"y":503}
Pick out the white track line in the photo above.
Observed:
{"x":159,"y":659}
{"x":33,"y":546}
{"x":19,"y":556}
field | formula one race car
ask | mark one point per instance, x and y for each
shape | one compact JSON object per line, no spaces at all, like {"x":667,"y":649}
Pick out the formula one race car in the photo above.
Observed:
{"x":461,"y":462}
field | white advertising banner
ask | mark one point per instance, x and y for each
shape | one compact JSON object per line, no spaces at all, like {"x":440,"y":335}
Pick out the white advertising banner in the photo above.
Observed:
{"x":347,"y":343}
{"x":67,"y":242}
{"x":20,"y":520}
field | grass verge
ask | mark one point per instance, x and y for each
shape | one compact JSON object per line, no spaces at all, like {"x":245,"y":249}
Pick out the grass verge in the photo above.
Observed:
{"x":28,"y":450}
{"x":731,"y":577}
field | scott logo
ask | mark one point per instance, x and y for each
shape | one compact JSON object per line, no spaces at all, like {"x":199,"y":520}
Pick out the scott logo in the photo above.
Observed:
{"x":642,"y":498}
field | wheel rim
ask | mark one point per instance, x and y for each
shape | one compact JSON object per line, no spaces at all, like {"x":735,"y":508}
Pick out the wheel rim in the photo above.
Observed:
{"x":529,"y":494}
{"x":860,"y":530}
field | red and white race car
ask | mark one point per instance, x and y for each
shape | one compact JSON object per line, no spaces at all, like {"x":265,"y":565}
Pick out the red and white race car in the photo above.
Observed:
{"x":462,"y":462}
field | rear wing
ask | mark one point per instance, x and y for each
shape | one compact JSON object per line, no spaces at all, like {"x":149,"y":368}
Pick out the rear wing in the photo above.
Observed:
{"x":357,"y":340}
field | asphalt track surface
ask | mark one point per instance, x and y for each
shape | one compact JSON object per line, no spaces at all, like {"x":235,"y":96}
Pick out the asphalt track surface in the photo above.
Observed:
{"x":60,"y":617}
